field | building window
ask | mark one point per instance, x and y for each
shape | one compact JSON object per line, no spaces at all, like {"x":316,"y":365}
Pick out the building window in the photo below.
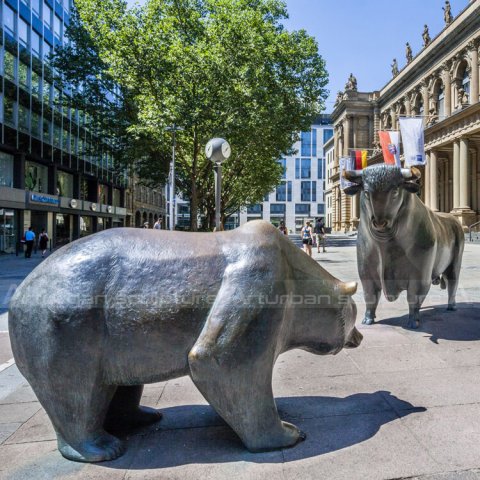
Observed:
{"x":36,"y":44}
{"x":314,"y":142}
{"x":320,"y":168}
{"x":314,"y":191}
{"x":306,"y":168}
{"x":281,"y":192}
{"x":283,"y":163}
{"x":302,"y":209}
{"x":306,"y":191}
{"x":306,"y":144}
{"x":441,"y":103}
{"x":277,"y":209}
{"x":47,"y":50}
{"x":9,"y":107}
{"x":10,"y":64}
{"x":9,"y":20}
{"x":255,"y":209}
{"x":36,"y":177}
{"x":46,"y":92}
{"x":327,"y":134}
{"x":47,"y":131}
{"x":23,"y":74}
{"x":23,"y":118}
{"x":466,"y":82}
{"x":289,"y":191}
{"x":23,"y":29}
{"x":320,"y":209}
{"x":65,"y":184}
{"x":57,"y":26}
{"x":36,"y":7}
{"x":47,"y":15}
{"x":36,"y":125}
{"x":36,"y":84}
{"x":6,"y":169}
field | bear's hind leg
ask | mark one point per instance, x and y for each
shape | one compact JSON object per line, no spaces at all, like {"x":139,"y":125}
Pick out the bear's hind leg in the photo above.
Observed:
{"x":125,"y":411}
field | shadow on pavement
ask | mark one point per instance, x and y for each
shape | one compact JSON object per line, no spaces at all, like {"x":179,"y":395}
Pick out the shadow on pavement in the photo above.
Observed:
{"x":330,"y":423}
{"x":462,"y":325}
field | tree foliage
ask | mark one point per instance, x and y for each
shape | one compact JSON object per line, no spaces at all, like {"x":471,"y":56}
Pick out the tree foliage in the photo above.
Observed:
{"x":223,"y":68}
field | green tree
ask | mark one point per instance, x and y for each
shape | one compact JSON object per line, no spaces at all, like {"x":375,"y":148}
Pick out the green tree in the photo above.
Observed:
{"x":218,"y":68}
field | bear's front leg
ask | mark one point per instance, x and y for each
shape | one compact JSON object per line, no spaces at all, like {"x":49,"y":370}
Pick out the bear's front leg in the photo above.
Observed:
{"x":241,"y":392}
{"x":231,"y":364}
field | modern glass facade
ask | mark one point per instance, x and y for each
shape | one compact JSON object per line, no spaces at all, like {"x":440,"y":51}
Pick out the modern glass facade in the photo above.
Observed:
{"x":55,"y":148}
{"x":300,"y":195}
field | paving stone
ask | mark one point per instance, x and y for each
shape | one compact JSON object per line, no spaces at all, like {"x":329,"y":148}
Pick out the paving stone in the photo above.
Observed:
{"x":36,"y":429}
{"x":7,"y":430}
{"x":18,"y":412}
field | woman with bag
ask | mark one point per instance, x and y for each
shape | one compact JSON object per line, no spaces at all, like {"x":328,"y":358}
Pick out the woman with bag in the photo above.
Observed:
{"x":307,"y":238}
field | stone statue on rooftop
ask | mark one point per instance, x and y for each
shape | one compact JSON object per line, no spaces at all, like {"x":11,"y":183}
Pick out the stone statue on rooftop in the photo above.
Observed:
{"x":408,"y":53}
{"x":394,"y":67}
{"x":447,"y":13}
{"x":351,"y":83}
{"x":426,"y":36}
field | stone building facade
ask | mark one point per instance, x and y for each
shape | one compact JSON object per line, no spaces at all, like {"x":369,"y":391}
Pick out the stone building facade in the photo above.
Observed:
{"x":441,"y":84}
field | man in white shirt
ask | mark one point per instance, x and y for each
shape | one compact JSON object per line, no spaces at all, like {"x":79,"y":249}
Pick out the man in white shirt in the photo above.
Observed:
{"x":157,"y":225}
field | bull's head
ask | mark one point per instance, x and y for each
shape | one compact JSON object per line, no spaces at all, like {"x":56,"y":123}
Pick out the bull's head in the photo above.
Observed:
{"x":384,"y":189}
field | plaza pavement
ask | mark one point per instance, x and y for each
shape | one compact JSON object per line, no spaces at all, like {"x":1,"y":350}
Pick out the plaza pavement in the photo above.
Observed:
{"x":405,"y":404}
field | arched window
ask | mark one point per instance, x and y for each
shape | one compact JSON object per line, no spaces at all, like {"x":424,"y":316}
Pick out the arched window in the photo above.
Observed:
{"x":466,"y":82}
{"x":441,"y":102}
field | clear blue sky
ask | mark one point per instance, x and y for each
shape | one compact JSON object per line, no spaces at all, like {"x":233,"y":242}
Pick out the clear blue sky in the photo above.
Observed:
{"x":363,"y":37}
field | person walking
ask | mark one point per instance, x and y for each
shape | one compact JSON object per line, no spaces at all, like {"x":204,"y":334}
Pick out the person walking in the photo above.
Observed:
{"x":43,"y":242}
{"x":320,"y":234}
{"x":29,"y":240}
{"x":283,"y":228}
{"x":307,"y":238}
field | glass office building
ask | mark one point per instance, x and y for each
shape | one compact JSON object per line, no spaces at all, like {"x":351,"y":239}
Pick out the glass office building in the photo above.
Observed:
{"x":55,"y":171}
{"x":300,"y":195}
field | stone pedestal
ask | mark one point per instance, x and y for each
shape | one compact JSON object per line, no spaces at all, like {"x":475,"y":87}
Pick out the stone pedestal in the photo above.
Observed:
{"x":465,"y":216}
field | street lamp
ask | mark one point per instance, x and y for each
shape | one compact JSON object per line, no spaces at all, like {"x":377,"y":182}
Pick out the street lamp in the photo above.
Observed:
{"x":174,"y":129}
{"x":218,"y":150}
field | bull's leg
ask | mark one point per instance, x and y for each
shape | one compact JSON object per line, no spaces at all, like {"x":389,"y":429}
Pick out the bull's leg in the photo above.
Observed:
{"x":415,"y":298}
{"x":125,"y":411}
{"x":452,"y":275}
{"x":371,"y":294}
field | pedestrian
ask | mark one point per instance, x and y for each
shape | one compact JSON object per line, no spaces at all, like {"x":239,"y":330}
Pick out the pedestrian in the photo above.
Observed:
{"x":320,"y":234}
{"x":157,"y":225}
{"x":307,"y":238}
{"x":29,"y":240}
{"x":283,"y":228}
{"x":146,"y":225}
{"x":43,"y":242}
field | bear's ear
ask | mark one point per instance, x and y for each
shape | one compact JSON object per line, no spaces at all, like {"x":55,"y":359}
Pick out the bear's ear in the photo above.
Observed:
{"x":352,"y":189}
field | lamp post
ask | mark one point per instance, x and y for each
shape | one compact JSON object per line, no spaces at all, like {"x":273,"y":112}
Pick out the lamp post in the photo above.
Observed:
{"x":174,"y":129}
{"x":218,"y":150}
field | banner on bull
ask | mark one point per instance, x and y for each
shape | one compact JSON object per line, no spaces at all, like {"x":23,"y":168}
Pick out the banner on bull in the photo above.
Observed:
{"x":390,"y":142}
{"x":413,"y":140}
{"x":345,"y":163}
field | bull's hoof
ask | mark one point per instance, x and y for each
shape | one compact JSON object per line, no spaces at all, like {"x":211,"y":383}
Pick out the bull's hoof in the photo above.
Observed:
{"x":413,"y":324}
{"x":99,"y":449}
{"x":289,"y":437}
{"x":368,"y":321}
{"x":452,"y":308}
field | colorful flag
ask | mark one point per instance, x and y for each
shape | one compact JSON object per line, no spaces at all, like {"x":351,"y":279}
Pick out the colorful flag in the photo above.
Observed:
{"x":345,"y":163}
{"x":390,"y":142}
{"x":359,"y":159}
{"x":413,"y":140}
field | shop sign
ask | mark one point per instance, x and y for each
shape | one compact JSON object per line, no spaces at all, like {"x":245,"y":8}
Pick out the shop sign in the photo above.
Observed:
{"x":44,"y":199}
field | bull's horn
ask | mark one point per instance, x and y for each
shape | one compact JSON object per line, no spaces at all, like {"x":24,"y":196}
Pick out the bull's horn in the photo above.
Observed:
{"x":352,"y":175}
{"x":348,"y":288}
{"x":411,"y":172}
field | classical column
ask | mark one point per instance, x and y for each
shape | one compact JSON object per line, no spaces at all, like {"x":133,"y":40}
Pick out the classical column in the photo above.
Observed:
{"x":408,"y":107}
{"x":354,"y":121}
{"x":474,"y":201}
{"x":425,"y":99}
{"x":433,"y":181}
{"x":464,"y":183}
{"x":346,"y":136}
{"x":394,"y":119}
{"x":474,"y":79}
{"x":426,"y":181}
{"x":447,"y":90}
{"x":456,"y":174}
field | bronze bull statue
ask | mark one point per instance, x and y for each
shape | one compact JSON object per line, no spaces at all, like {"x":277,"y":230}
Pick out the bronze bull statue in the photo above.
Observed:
{"x":155,"y":305}
{"x":402,"y":244}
